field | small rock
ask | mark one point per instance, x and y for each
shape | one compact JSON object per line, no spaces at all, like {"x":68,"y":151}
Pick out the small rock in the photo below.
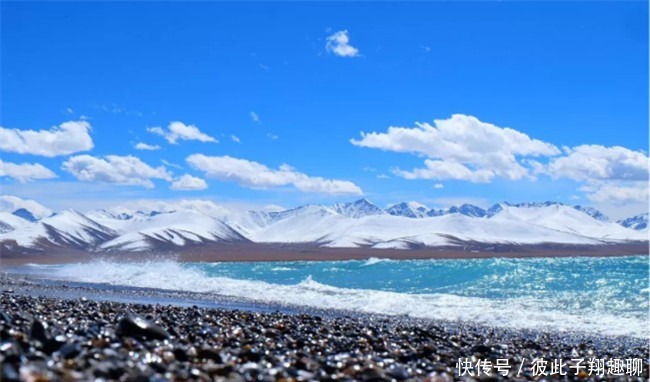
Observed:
{"x":39,"y":331}
{"x":70,"y":350}
{"x":137,"y":327}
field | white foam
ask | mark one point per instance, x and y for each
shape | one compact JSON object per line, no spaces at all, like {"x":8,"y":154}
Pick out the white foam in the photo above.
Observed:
{"x":375,"y":260}
{"x":528,"y":312}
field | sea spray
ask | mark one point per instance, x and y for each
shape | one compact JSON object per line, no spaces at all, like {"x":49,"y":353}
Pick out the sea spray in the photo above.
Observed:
{"x":596,"y":295}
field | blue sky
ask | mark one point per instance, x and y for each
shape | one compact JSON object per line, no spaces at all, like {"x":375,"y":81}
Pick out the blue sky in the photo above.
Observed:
{"x":296,"y":84}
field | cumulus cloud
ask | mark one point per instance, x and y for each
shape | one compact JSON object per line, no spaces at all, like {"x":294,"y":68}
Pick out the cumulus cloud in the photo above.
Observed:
{"x":188,"y":182}
{"x":618,"y":193}
{"x":235,"y":138}
{"x":145,"y":146}
{"x":339,"y":44}
{"x":124,"y":170}
{"x":25,"y":172}
{"x":461,"y":147}
{"x":438,"y":186}
{"x":67,"y":138}
{"x":10,"y":203}
{"x":179,"y":131}
{"x":438,"y":169}
{"x":256,"y":175}
{"x":254,"y":117}
{"x":595,"y":162}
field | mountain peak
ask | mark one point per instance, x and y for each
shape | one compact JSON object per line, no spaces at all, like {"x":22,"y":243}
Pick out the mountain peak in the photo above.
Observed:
{"x":468,"y":210}
{"x":408,"y":209}
{"x":638,"y":222}
{"x":358,"y":209}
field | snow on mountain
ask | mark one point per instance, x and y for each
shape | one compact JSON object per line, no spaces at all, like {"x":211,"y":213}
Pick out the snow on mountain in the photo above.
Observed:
{"x":564,"y":218}
{"x":638,"y":222}
{"x":301,"y":225}
{"x":178,"y":228}
{"x":10,"y":222}
{"x":468,"y":210}
{"x":361,"y":223}
{"x":594,"y":213}
{"x":451,"y":229}
{"x":417,"y":210}
{"x":315,"y":224}
{"x":65,"y":229}
{"x":495,"y":209}
{"x":358,"y":209}
{"x":409,"y":210}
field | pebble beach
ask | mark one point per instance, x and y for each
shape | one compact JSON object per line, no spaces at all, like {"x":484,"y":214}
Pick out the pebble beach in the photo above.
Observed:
{"x":66,"y":338}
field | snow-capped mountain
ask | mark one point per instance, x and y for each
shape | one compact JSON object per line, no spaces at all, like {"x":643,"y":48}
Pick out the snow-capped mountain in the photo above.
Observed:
{"x":10,"y":222}
{"x":173,"y":229}
{"x":358,"y":209}
{"x":357,"y":224}
{"x":65,"y":229}
{"x":594,"y":213}
{"x":408,"y":210}
{"x":638,"y":222}
{"x":468,"y":210}
{"x":559,"y":217}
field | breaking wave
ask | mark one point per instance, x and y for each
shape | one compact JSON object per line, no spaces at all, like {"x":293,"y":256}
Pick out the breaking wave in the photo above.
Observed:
{"x":566,"y":311}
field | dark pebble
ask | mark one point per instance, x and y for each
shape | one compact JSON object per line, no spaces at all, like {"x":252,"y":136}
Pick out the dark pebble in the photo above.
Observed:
{"x":135,"y":326}
{"x":50,"y":339}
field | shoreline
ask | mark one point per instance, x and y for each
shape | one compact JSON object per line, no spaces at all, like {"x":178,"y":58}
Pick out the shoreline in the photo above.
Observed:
{"x":250,"y":252}
{"x":386,"y":347}
{"x":37,"y":286}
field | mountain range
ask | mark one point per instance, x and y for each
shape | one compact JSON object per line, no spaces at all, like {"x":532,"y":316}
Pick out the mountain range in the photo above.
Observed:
{"x":361,"y":223}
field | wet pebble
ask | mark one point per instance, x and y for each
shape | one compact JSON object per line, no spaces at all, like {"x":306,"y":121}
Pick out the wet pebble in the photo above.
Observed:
{"x":66,"y":340}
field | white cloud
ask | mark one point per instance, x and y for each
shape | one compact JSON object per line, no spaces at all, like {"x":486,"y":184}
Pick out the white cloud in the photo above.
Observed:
{"x":438,"y":169}
{"x":256,"y":175}
{"x":235,"y":138}
{"x":617,"y":192}
{"x":188,"y":182}
{"x":25,"y":172}
{"x":461,"y":147}
{"x":339,"y":44}
{"x":124,"y":170}
{"x":69,"y":137}
{"x":69,"y":111}
{"x":595,"y":162}
{"x":272,"y":137}
{"x":255,"y":117}
{"x":10,"y":203}
{"x":612,"y":175}
{"x":145,"y":146}
{"x":383,"y":176}
{"x":438,"y":186}
{"x":170,"y":164}
{"x":179,"y":131}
